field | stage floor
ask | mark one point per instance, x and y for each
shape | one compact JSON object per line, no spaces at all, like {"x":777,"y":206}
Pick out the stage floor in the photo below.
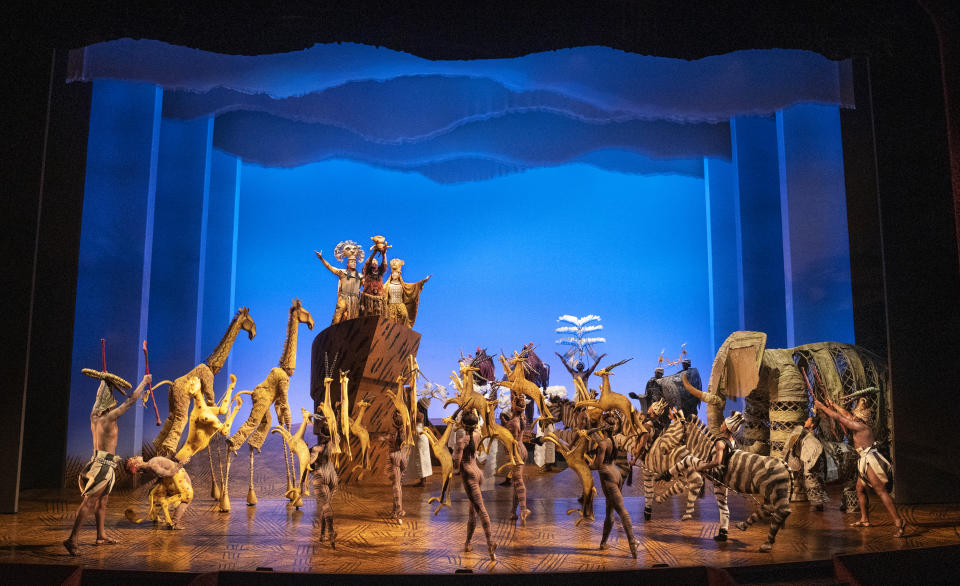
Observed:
{"x":274,"y":535}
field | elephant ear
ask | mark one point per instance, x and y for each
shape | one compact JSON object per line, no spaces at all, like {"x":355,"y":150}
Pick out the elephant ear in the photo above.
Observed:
{"x":736,"y":369}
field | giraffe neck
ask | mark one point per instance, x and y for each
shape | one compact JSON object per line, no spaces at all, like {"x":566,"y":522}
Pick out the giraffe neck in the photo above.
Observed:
{"x":301,"y":429}
{"x":218,"y":357}
{"x":288,"y":360}
{"x":361,"y":410}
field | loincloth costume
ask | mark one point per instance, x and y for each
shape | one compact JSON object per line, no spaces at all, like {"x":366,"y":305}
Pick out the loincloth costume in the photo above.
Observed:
{"x":871,"y":458}
{"x":100,"y":474}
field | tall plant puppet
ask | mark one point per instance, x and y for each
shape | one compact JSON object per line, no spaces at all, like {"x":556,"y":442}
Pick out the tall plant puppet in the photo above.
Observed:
{"x":272,"y":391}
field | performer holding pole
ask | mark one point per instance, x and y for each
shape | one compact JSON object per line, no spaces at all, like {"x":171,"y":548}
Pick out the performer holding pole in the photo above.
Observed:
{"x":99,"y":475}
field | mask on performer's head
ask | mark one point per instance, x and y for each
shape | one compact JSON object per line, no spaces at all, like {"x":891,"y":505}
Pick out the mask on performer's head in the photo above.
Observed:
{"x":108,"y":383}
{"x":733,"y":422}
{"x":863,"y":412}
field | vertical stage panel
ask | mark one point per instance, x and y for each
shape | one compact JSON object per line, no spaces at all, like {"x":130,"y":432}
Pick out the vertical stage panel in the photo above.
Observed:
{"x":216,"y":309}
{"x":184,"y":149}
{"x":764,"y":295}
{"x":812,"y":181}
{"x":113,"y":267}
{"x":725,"y":266}
{"x":375,"y":352}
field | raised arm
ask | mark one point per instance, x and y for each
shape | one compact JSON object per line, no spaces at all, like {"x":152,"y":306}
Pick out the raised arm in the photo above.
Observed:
{"x":330,"y":267}
{"x":848,"y":422}
{"x":114,"y":413}
{"x":595,"y":363}
{"x":563,"y":361}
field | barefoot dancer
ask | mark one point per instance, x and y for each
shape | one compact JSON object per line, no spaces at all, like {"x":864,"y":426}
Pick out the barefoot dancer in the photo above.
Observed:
{"x":465,"y":461}
{"x":515,"y":422}
{"x":398,"y":454}
{"x":97,"y":477}
{"x":611,"y":481}
{"x":321,"y":463}
{"x":874,"y":469}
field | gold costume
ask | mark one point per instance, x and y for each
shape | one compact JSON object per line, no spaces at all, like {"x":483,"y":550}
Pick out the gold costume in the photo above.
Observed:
{"x":402,"y":301}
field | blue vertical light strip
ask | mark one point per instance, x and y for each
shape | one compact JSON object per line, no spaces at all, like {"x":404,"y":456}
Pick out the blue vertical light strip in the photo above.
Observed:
{"x":737,"y":222}
{"x":204,"y":216}
{"x":147,"y":261}
{"x":785,"y":231}
{"x":710,"y":282}
{"x":233,"y":253}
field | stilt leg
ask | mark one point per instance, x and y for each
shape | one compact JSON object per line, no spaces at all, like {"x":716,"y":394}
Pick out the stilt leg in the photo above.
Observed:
{"x":225,"y":487}
{"x":214,"y":488}
{"x":251,"y":494}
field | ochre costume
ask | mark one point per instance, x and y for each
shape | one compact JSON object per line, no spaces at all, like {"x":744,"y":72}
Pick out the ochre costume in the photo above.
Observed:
{"x":403,"y":300}
{"x":273,"y":390}
{"x":100,"y":474}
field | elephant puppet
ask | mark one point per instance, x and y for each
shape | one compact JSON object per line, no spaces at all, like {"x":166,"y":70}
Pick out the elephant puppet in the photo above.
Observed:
{"x":780,"y":383}
{"x":670,"y":389}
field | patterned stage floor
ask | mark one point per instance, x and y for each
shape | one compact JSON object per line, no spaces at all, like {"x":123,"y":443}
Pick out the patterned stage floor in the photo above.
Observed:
{"x":274,"y":535}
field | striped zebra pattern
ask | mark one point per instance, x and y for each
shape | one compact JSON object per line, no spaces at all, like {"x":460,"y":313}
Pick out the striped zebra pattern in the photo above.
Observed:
{"x":667,"y":450}
{"x":746,"y":473}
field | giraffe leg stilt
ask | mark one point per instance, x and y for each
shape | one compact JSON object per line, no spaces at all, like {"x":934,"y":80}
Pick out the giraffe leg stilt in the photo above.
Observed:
{"x":291,"y":494}
{"x":251,"y":494}
{"x":225,"y":484}
{"x":214,"y":488}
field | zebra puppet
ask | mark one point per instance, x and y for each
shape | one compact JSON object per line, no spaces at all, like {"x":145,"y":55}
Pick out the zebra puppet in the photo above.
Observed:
{"x":739,"y":471}
{"x":666,"y":450}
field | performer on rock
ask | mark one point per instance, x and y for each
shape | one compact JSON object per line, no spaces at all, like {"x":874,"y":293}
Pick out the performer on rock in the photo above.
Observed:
{"x":515,"y":421}
{"x":371,"y":300}
{"x":874,"y":470}
{"x":402,"y":298}
{"x":611,"y":481}
{"x":465,"y":462}
{"x":98,"y":476}
{"x":321,"y":463}
{"x":348,"y":288}
{"x":398,"y":453}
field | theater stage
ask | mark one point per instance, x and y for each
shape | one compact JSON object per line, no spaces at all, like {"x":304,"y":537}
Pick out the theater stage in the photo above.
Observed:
{"x":274,"y":535}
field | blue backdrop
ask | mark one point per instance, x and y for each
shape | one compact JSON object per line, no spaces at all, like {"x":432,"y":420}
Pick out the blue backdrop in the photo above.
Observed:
{"x":677,"y":221}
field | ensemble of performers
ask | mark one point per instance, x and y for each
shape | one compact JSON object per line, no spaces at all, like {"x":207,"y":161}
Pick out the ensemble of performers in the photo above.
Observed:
{"x":600,"y":431}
